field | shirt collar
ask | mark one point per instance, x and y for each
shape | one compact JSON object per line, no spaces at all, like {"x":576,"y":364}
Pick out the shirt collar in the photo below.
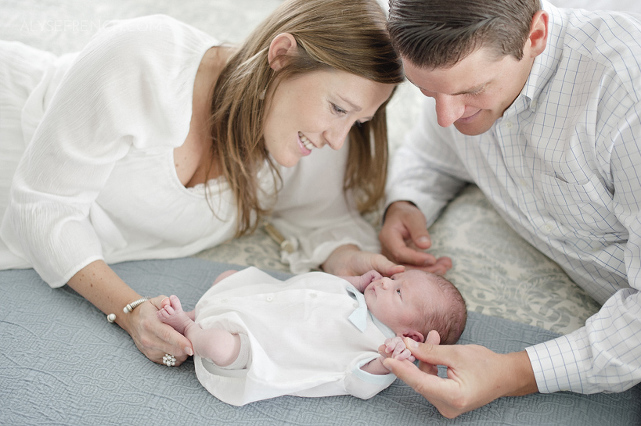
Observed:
{"x":545,"y":64}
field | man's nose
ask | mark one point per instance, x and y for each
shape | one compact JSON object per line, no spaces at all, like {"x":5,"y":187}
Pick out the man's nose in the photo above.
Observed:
{"x":448,"y":109}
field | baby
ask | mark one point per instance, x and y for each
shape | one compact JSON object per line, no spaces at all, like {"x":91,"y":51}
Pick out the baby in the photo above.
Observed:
{"x":256,"y":337}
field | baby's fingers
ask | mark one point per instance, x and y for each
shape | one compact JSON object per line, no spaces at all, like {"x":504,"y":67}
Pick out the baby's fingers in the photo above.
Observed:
{"x":399,"y":349}
{"x":405,"y":354}
{"x":389,"y":344}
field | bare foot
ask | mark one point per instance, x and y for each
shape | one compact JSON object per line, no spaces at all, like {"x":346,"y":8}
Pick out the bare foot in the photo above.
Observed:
{"x":173,"y":315}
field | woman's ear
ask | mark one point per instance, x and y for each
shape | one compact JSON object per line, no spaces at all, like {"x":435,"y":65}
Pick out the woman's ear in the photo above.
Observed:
{"x":282,"y":45}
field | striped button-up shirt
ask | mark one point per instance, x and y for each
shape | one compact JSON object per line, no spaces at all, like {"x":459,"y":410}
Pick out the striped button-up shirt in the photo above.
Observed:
{"x":563,"y":168}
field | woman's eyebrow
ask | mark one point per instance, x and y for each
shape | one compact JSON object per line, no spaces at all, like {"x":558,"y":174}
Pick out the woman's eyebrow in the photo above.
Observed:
{"x":352,"y":105}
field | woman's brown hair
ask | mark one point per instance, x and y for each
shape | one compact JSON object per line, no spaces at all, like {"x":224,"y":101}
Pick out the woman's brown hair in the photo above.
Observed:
{"x":348,"y":36}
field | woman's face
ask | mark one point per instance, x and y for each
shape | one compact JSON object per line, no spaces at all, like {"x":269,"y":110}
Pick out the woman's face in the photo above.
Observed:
{"x":316,"y":109}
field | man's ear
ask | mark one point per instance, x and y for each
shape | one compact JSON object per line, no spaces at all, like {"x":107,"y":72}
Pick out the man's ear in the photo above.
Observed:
{"x":414,"y":335}
{"x":282,"y":45}
{"x":538,"y":38}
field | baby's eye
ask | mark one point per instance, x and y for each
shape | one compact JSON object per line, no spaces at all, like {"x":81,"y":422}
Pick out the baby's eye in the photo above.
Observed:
{"x":398,"y":291}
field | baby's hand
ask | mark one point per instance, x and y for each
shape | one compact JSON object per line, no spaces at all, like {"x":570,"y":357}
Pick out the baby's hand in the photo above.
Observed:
{"x":362,"y":281}
{"x":366,"y":279}
{"x":395,"y":348}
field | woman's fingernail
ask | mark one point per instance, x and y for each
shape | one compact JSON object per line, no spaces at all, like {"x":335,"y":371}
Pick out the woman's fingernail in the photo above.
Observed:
{"x":189,"y":351}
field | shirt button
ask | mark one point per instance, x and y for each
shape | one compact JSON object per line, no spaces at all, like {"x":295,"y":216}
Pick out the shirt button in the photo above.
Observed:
{"x":270,"y":298}
{"x":508,"y":124}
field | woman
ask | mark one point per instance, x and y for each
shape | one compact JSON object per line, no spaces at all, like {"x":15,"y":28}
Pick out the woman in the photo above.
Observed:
{"x":155,"y":141}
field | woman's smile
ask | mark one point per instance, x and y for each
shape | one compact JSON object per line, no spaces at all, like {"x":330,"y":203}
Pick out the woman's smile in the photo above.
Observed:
{"x":306,"y":144}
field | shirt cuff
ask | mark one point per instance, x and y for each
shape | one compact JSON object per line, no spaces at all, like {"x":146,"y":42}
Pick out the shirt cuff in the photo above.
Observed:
{"x":560,"y":364}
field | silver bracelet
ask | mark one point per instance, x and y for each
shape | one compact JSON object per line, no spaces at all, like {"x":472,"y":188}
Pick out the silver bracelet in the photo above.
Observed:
{"x":128,"y":308}
{"x":133,"y":305}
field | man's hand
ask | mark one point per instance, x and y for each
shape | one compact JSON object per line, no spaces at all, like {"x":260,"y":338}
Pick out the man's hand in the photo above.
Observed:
{"x":404,"y":238}
{"x":475,"y":375}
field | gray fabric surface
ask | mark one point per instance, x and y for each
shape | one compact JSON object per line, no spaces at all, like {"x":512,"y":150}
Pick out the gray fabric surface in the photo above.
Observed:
{"x":62,"y":363}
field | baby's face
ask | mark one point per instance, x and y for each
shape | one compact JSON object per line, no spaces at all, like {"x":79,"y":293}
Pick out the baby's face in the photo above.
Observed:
{"x":399,"y":300}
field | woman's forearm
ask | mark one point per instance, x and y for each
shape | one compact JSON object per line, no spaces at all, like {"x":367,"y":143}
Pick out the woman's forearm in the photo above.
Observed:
{"x":103,"y":288}
{"x":100,"y":285}
{"x":337,"y":263}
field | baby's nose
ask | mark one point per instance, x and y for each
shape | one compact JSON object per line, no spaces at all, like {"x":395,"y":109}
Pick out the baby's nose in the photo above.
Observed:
{"x":385,"y":283}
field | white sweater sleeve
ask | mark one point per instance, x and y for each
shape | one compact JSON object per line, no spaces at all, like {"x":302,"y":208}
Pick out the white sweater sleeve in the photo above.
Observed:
{"x":111,"y":99}
{"x":313,"y":210}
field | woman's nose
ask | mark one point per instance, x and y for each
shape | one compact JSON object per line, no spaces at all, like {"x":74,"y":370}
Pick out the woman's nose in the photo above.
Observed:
{"x":336,"y":136}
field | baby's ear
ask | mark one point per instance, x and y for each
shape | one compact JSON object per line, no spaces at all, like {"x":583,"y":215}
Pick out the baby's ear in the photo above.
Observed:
{"x":414,"y":335}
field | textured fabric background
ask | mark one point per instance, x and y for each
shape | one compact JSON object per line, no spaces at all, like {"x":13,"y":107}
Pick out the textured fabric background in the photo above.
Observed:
{"x":62,"y":363}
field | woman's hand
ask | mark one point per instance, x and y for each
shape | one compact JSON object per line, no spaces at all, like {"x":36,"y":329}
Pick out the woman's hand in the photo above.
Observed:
{"x":153,"y":337}
{"x":350,"y":260}
{"x":101,"y":286}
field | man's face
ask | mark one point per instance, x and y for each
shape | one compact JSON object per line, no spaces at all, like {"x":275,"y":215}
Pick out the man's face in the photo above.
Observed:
{"x":474,"y":92}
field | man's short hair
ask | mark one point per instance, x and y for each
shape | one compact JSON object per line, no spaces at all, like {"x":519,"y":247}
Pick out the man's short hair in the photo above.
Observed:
{"x":440,"y":33}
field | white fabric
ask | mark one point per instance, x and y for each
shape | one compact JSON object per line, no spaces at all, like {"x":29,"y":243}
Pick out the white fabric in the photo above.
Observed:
{"x":616,"y":5}
{"x":97,"y":180}
{"x":562,"y":168}
{"x":301,"y":340}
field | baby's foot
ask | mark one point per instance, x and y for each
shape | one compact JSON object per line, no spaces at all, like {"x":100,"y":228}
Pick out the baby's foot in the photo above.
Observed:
{"x":173,"y":315}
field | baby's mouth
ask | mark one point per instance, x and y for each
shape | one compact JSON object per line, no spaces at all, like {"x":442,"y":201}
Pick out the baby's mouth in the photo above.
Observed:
{"x":306,"y":142}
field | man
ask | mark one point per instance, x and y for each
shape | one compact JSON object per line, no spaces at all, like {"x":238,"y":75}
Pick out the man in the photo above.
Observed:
{"x":541,"y":108}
